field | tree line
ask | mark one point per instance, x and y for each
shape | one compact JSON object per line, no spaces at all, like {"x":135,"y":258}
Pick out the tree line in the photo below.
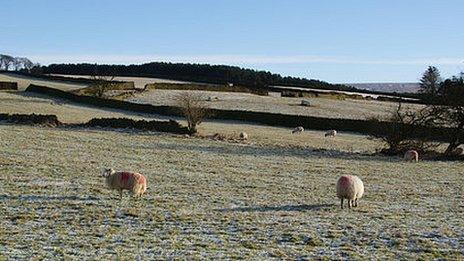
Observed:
{"x":8,"y":62}
{"x":215,"y":74}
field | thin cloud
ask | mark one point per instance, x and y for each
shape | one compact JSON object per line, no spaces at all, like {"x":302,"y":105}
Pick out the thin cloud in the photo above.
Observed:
{"x":237,"y":59}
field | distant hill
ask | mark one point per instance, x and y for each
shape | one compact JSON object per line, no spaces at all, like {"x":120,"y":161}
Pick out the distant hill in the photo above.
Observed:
{"x":205,"y":73}
{"x":405,"y":87}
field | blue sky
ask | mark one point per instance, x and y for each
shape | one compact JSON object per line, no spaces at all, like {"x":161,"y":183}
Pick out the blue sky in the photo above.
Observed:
{"x":336,"y":41}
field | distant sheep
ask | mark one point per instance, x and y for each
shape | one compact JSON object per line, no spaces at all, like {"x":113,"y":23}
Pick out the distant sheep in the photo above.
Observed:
{"x":350,"y":187}
{"x":458,"y":151}
{"x":298,"y":129}
{"x":305,"y":103}
{"x":243,"y":135}
{"x":411,"y":155}
{"x":330,"y":133}
{"x":134,"y":182}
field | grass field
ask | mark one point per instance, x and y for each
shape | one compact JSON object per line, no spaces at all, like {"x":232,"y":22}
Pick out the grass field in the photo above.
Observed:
{"x":25,"y":81}
{"x":320,"y":107}
{"x":217,"y":200}
{"x":272,"y":197}
{"x":139,"y":82}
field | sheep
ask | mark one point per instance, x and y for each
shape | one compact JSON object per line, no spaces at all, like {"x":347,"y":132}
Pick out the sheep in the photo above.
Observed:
{"x":411,"y":155}
{"x":305,"y":103}
{"x":350,"y":187}
{"x":330,"y":133}
{"x":298,"y":129}
{"x":243,"y":135}
{"x":458,"y":151}
{"x":134,"y":182}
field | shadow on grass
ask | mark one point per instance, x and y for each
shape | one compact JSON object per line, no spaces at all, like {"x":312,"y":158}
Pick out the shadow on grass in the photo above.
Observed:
{"x":301,"y":208}
{"x":254,"y":150}
{"x":61,"y":101}
{"x":46,"y":198}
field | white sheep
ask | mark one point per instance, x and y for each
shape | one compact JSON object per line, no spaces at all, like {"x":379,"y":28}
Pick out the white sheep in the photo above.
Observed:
{"x":298,"y":129}
{"x":305,"y":103}
{"x":458,"y":151}
{"x":350,"y":187}
{"x":411,"y":155}
{"x":134,"y":182}
{"x":330,"y":133}
{"x":243,"y":135}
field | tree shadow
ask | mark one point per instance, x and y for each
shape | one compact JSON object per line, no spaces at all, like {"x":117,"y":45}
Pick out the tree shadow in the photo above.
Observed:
{"x":39,"y":198}
{"x":289,"y":208}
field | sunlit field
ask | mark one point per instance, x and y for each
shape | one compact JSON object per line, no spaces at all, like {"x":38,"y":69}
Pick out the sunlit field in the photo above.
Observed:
{"x":272,"y":196}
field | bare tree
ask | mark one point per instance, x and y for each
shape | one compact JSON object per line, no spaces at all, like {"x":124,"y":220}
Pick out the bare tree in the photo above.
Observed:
{"x":449,"y":110}
{"x":17,"y":63}
{"x":102,"y":84}
{"x":193,"y":107}
{"x":26,"y":63}
{"x":6,"y":61}
{"x":405,"y":129}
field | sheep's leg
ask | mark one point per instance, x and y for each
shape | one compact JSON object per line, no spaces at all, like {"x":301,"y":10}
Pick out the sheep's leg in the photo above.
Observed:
{"x":355,"y":202}
{"x":349,"y":203}
{"x":341,"y":202}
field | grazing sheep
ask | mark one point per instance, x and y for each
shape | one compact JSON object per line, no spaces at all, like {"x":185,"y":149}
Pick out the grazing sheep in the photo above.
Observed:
{"x":218,"y":136}
{"x":298,"y":129}
{"x":305,"y":103}
{"x":411,"y":155}
{"x":243,"y":136}
{"x":330,"y":133}
{"x":134,"y":182}
{"x":350,"y":187}
{"x":458,"y":151}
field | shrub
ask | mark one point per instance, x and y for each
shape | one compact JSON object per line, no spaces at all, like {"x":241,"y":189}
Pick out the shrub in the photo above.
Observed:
{"x":406,"y":129}
{"x":193,"y":107}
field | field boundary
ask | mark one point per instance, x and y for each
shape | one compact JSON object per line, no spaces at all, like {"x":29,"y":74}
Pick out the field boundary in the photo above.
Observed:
{"x":205,"y":87}
{"x":271,"y":119}
{"x":8,"y":85}
{"x":50,"y":120}
{"x":63,"y":79}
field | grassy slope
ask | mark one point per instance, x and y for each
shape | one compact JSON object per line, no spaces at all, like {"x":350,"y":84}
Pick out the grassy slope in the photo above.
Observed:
{"x":271,"y":197}
{"x":320,"y":107}
{"x":24,"y":82}
{"x":26,"y":103}
{"x":216,"y":199}
{"x":139,"y":82}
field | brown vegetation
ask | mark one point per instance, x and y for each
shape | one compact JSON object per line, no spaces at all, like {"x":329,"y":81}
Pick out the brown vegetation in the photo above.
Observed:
{"x":194,"y":109}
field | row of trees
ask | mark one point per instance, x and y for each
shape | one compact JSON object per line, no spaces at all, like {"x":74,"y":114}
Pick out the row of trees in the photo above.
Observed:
{"x":8,"y":62}
{"x":217,"y":74}
{"x":444,"y":108}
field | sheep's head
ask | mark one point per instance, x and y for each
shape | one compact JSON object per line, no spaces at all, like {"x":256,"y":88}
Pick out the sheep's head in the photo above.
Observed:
{"x":106,"y":172}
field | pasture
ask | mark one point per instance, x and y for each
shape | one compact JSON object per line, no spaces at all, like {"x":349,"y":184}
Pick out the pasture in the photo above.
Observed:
{"x":217,"y":200}
{"x":25,"y":81}
{"x":272,"y":197}
{"x":139,"y":82}
{"x":327,"y":106}
{"x":320,"y":107}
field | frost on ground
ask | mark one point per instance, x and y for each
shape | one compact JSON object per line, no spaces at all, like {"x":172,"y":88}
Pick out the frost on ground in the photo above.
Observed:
{"x":25,"y":81}
{"x":320,"y":107}
{"x":273,"y":198}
